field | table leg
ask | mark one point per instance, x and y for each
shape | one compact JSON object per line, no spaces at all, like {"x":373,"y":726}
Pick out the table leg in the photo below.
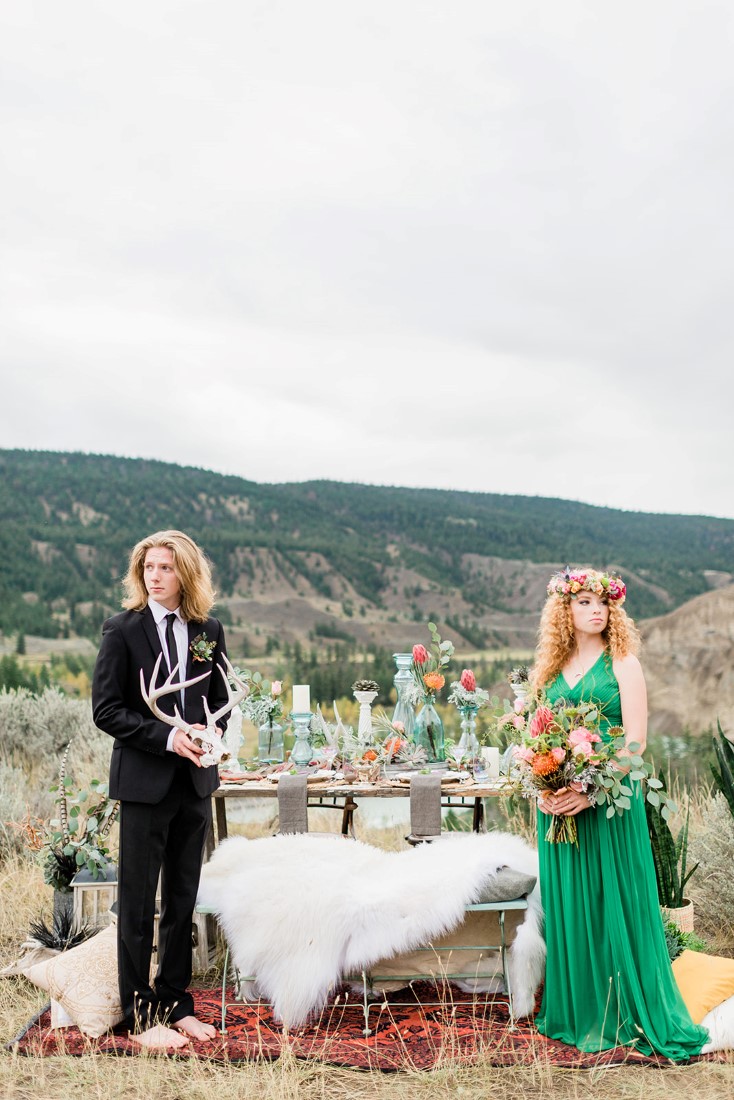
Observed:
{"x":478,"y":825}
{"x":348,"y":816}
{"x":221,"y":812}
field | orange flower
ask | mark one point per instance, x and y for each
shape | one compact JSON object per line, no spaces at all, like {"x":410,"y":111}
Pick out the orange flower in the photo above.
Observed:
{"x":545,"y":763}
{"x":393,"y":745}
{"x":434,"y":681}
{"x":369,"y":755}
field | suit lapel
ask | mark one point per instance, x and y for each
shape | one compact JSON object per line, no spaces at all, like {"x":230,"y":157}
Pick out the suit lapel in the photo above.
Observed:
{"x":191,"y":671}
{"x":151,"y":633}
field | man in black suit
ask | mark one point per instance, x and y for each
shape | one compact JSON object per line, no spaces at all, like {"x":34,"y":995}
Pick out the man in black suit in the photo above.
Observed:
{"x":156,"y":773}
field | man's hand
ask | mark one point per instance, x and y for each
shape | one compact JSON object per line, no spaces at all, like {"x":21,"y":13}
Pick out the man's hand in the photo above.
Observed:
{"x":184,"y":746}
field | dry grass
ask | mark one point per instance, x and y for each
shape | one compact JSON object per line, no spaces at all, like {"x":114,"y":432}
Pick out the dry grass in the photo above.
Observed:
{"x":106,"y":1077}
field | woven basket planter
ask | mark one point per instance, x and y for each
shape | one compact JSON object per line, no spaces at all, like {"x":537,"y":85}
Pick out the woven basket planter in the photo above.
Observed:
{"x":682,"y":917}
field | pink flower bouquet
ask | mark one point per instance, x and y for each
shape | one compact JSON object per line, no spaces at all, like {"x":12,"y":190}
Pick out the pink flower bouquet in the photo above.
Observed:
{"x":560,"y":746}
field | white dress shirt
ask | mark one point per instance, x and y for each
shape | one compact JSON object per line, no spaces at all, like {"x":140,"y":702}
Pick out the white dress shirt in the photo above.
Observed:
{"x":181,"y":636}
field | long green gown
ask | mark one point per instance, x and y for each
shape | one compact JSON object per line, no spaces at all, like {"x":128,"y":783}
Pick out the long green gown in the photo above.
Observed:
{"x":608,"y":978}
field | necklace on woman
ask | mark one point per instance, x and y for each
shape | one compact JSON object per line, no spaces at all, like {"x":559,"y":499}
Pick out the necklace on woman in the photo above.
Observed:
{"x":580,"y":671}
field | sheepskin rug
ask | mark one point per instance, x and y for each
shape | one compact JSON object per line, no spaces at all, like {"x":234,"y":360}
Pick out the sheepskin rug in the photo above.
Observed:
{"x":301,"y":912}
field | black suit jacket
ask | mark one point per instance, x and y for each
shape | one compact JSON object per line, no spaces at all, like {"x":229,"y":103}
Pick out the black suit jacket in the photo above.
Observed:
{"x":141,"y":769}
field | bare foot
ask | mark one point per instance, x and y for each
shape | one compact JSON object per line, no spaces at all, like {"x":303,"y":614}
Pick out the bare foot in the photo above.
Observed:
{"x":196,"y":1029}
{"x":159,"y":1038}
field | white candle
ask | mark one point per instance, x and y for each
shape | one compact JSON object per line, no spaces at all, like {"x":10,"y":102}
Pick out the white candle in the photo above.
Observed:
{"x":491,"y":758}
{"x":301,"y":698}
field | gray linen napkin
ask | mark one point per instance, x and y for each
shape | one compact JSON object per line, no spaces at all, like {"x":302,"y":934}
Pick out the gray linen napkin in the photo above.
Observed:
{"x":425,"y":805}
{"x":292,"y":804}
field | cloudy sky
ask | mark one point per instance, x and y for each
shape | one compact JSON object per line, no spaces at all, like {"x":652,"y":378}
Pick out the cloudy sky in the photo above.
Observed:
{"x":475,"y":245}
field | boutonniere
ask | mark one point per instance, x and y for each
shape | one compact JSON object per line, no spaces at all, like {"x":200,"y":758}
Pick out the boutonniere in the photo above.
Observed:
{"x":202,"y":648}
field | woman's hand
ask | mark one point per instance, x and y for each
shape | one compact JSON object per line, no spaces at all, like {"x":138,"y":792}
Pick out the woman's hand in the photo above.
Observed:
{"x":569,"y":802}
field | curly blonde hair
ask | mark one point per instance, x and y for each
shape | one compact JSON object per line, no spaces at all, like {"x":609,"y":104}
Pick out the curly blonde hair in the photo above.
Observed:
{"x":190,"y":565}
{"x":556,"y":639}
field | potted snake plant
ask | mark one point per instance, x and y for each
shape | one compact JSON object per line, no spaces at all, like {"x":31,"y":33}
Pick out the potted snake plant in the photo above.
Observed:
{"x":670,"y":856}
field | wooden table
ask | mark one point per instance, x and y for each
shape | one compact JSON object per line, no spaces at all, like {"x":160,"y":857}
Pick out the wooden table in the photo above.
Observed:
{"x":346,"y":796}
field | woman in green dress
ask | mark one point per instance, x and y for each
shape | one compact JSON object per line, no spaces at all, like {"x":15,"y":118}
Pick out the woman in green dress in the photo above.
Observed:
{"x":608,"y":980}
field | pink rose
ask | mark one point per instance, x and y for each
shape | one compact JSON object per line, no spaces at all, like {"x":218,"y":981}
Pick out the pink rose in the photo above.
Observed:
{"x":617,"y":590}
{"x":583,"y":749}
{"x":522,"y":753}
{"x":420,"y":654}
{"x":399,"y":727}
{"x":577,"y":737}
{"x":518,"y":721}
{"x":542,"y":719}
{"x":468,"y":680}
{"x":558,"y":754}
{"x":519,"y":706}
{"x":276,"y":687}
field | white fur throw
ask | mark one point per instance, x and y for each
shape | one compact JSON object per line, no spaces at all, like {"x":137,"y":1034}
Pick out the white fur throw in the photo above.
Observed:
{"x":302,"y":912}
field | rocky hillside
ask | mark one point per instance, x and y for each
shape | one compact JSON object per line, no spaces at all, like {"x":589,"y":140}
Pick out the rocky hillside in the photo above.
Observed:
{"x":324,"y":562}
{"x":688,"y":658}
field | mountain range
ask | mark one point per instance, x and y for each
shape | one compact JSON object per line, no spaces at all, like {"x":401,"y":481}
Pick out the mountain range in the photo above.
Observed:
{"x":328,"y":562}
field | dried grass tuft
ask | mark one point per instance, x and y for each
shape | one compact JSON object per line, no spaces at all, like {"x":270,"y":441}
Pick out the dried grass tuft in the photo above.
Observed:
{"x":711,"y":888}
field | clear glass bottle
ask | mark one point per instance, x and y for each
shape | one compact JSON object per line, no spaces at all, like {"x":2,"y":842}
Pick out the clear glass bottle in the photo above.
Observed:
{"x":404,"y":711}
{"x":429,"y":731}
{"x":469,"y":742}
{"x":270,"y":748}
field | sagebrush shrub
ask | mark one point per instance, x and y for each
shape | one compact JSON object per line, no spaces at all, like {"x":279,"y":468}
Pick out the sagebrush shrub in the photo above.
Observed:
{"x":35,"y":730}
{"x":711,"y":845}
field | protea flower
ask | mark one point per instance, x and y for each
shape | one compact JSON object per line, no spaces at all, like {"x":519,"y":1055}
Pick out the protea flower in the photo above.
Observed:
{"x":434,"y":681}
{"x":468,"y":680}
{"x":545,"y":763}
{"x":420,"y":654}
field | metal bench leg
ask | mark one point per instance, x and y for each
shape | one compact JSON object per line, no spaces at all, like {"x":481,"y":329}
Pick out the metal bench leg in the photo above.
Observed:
{"x":225,"y":972}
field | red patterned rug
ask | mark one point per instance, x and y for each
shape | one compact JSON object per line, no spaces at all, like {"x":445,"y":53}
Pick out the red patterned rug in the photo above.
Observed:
{"x":405,"y":1037}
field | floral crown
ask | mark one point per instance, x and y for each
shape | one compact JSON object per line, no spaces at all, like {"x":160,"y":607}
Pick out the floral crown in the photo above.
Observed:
{"x":569,"y":582}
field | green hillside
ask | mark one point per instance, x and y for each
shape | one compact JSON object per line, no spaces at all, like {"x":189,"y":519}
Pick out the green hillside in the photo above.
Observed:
{"x":68,"y":521}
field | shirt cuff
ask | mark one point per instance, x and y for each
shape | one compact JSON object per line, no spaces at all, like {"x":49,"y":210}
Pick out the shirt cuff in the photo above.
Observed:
{"x":169,"y":742}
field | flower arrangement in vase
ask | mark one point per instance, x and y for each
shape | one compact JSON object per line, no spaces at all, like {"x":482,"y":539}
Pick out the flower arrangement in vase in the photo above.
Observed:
{"x":264,"y":706}
{"x":468,"y":699}
{"x":427,"y":669}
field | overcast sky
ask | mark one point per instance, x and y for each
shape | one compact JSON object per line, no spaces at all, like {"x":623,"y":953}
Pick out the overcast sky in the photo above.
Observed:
{"x":474,"y":245}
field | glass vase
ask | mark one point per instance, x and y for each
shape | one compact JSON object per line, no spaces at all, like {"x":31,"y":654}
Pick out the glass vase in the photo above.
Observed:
{"x":469,"y":743}
{"x":403,"y":680}
{"x":428,"y":731}
{"x":302,"y":751}
{"x":270,"y":748}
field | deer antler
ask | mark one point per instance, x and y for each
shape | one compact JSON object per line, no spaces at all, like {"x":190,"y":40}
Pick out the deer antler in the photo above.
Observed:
{"x":152,"y":695}
{"x":233,"y":697}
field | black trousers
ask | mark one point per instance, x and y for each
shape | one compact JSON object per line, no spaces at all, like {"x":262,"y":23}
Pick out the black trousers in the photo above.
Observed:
{"x":167,"y":838}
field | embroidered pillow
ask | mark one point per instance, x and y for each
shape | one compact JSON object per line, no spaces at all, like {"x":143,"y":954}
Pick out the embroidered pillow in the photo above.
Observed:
{"x":84,"y":982}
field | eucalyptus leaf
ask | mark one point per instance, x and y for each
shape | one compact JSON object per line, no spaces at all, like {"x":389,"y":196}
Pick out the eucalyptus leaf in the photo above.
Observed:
{"x":654,"y":783}
{"x":653,"y":798}
{"x":610,"y":811}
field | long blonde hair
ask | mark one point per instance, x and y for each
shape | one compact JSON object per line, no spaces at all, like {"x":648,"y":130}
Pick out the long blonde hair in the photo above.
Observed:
{"x":556,"y":639}
{"x":190,"y":565}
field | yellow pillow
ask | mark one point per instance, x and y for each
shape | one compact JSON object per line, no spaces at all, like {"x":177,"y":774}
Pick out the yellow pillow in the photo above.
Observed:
{"x":704,"y":981}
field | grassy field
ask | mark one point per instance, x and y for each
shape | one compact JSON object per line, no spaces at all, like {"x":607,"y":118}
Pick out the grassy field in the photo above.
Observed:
{"x":23,"y":896}
{"x":104,"y":1077}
